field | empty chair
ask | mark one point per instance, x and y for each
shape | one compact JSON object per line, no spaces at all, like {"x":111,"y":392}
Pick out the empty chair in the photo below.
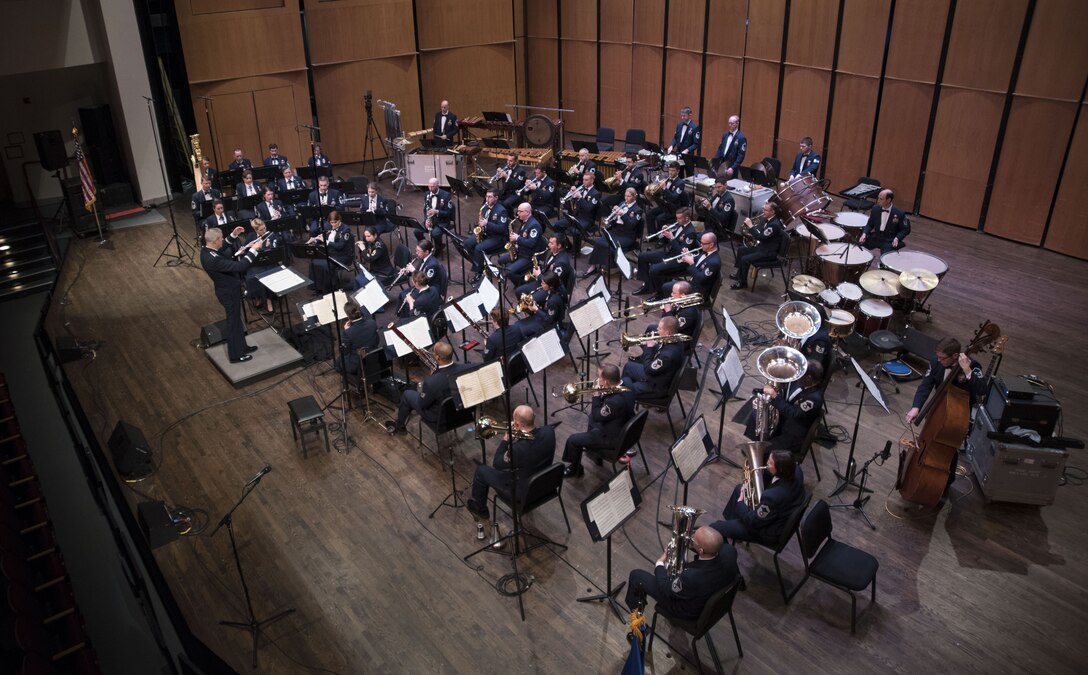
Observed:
{"x":606,"y":138}
{"x":634,"y":140}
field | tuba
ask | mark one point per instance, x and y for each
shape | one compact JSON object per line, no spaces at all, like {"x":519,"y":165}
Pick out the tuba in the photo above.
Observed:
{"x":779,"y":365}
{"x":753,"y":475}
{"x":683,"y":526}
{"x":487,"y":427}
{"x":797,"y":321}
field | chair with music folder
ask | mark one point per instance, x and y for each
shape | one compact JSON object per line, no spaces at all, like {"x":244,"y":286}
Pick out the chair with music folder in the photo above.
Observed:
{"x":718,"y":606}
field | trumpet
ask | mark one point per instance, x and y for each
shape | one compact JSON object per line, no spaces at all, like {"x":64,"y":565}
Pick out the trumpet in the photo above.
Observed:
{"x":536,"y":265}
{"x":678,"y":256}
{"x":661,"y":232}
{"x":619,"y":212}
{"x":576,"y":170}
{"x":488,"y":427}
{"x":500,"y":173}
{"x":426,"y":358}
{"x":572,"y":391}
{"x":689,"y":300}
{"x":575,"y":193}
{"x":628,"y":341}
{"x":527,"y":188}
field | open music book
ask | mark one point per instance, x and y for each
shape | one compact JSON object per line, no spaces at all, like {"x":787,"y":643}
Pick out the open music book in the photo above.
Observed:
{"x":600,"y":287}
{"x":371,"y":297}
{"x":469,"y":304}
{"x":542,"y":351}
{"x":418,"y":331}
{"x":480,"y":385}
{"x":610,"y":508}
{"x":322,"y":308}
{"x":691,"y":450}
{"x":590,"y":315}
{"x":282,"y":280}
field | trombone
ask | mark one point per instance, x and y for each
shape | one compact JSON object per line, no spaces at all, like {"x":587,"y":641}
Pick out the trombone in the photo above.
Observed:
{"x":689,"y":300}
{"x":628,"y":341}
{"x":488,"y":427}
{"x":572,"y":391}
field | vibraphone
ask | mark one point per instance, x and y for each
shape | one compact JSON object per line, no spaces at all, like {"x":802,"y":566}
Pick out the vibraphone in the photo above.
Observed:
{"x":530,"y":156}
{"x":509,"y":130}
{"x":606,"y":161}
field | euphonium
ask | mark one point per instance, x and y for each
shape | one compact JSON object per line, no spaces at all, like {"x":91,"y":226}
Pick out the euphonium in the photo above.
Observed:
{"x":487,"y":427}
{"x":628,"y":341}
{"x":780,"y":365}
{"x":797,"y":321}
{"x":753,"y":475}
{"x":689,"y":300}
{"x":573,"y":391}
{"x":683,"y":526}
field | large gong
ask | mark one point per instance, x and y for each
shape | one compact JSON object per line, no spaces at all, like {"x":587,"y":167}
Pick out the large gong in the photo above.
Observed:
{"x":539,"y":131}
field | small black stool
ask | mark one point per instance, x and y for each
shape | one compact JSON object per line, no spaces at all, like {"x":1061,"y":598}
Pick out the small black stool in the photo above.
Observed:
{"x":885,"y":342}
{"x":306,"y":411}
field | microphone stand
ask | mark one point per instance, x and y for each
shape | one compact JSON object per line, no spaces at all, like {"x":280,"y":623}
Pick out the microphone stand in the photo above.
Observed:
{"x":859,"y":503}
{"x":253,"y":625}
{"x":183,"y":255}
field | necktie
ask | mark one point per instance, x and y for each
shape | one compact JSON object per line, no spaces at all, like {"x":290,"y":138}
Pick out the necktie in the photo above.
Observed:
{"x":324,"y":197}
{"x":222,"y":220}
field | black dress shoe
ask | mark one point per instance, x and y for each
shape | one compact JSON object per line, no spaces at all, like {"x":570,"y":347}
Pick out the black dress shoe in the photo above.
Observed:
{"x":738,"y":284}
{"x":643,"y":290}
{"x":476,"y":509}
{"x":573,"y":471}
{"x":588,"y":273}
{"x":392,"y":428}
{"x":733,"y":276}
{"x":250,"y":349}
{"x":242,"y":359}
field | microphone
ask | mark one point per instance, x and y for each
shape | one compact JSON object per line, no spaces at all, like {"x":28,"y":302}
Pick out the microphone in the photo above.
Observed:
{"x":148,"y":99}
{"x":307,"y":126}
{"x":260,"y":474}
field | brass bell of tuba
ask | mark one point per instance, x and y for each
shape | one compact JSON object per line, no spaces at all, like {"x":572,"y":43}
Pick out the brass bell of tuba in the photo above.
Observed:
{"x":797,"y":321}
{"x":683,"y":526}
{"x":753,"y":474}
{"x":779,"y":365}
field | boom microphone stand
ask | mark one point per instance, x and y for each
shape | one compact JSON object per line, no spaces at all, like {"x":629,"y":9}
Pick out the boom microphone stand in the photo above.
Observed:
{"x":183,"y":255}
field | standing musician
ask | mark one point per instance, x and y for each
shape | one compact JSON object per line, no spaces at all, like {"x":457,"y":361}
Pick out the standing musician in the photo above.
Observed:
{"x":271,"y":208}
{"x":766,"y":233}
{"x":529,"y":240}
{"x":374,"y":256}
{"x":445,"y":126}
{"x":557,"y":259}
{"x":714,"y":568}
{"x":275,"y":158}
{"x":340,"y":242}
{"x":672,"y":197}
{"x":631,"y":177}
{"x":421,"y":300}
{"x":718,"y":209}
{"x":679,"y":237}
{"x":319,"y":158}
{"x":542,"y":195}
{"x":247,"y":188}
{"x":290,"y":181}
{"x":763,"y":524}
{"x":887,"y":225}
{"x":798,"y":408}
{"x":206,"y":193}
{"x":514,"y":176}
{"x":703,"y":268}
{"x":625,"y":226}
{"x":687,"y":318}
{"x":526,"y":456}
{"x":255,"y":290}
{"x":688,"y":137}
{"x":494,"y":229}
{"x":544,"y":316}
{"x":581,"y":203}
{"x":731,"y":150}
{"x":608,"y":415}
{"x":807,"y":160}
{"x":375,"y":203}
{"x":649,"y":376}
{"x":360,"y":332}
{"x":583,"y":165}
{"x":966,"y":373}
{"x":503,"y":340}
{"x":240,"y":161}
{"x":223,"y":269}
{"x":434,"y":389}
{"x":437,"y":213}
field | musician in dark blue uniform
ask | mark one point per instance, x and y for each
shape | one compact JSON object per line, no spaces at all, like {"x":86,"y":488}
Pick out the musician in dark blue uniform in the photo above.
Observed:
{"x":632,"y":176}
{"x":688,"y":137}
{"x":672,"y":197}
{"x":289,"y":181}
{"x":240,"y":161}
{"x":543,"y":317}
{"x":206,"y":193}
{"x":767,"y":234}
{"x":381,"y":207}
{"x":651,"y":374}
{"x":513,"y":176}
{"x":714,"y":568}
{"x":275,"y":158}
{"x":529,"y":239}
{"x":434,"y":389}
{"x":360,"y":333}
{"x":583,"y":165}
{"x":607,"y":417}
{"x":374,"y":256}
{"x":652,"y":266}
{"x":271,"y":208}
{"x":445,"y":127}
{"x":218,"y":261}
{"x":257,"y":292}
{"x":319,"y":158}
{"x":799,"y":405}
{"x":494,"y":224}
{"x":807,"y":160}
{"x":325,"y":199}
{"x":247,"y":188}
{"x":687,"y":318}
{"x":781,"y":497}
{"x":557,"y":260}
{"x":625,"y":226}
{"x":437,"y":213}
{"x":731,"y":150}
{"x":504,"y":338}
{"x":542,"y":197}
{"x":581,"y":202}
{"x":422,"y":299}
{"x":887,"y":226}
{"x":340,"y":242}
{"x":702,"y":267}
{"x":521,"y":456}
{"x":219,"y":217}
{"x":718,"y":210}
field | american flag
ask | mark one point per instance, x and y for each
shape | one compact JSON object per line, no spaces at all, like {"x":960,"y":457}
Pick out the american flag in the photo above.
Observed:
{"x":85,"y":177}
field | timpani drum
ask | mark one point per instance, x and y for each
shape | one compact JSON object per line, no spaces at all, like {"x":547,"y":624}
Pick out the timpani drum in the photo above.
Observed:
{"x":802,"y":195}
{"x":873,"y":315}
{"x":832,"y":233}
{"x":851,"y":295}
{"x":840,"y":323}
{"x":906,"y":261}
{"x":852,"y":222}
{"x":841,"y":262}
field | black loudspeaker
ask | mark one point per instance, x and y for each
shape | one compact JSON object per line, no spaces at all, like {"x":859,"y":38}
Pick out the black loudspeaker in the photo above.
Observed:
{"x":214,"y":333}
{"x":100,"y":144}
{"x":51,"y":150}
{"x":131,"y":453}
{"x":67,"y":349}
{"x":156,"y":523}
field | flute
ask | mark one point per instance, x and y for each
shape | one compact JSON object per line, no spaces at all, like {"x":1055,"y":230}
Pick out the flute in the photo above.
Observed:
{"x":249,"y":246}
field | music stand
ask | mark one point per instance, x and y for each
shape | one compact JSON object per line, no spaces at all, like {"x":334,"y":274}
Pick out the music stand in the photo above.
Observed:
{"x":267,"y":173}
{"x":588,"y":145}
{"x":588,"y":317}
{"x":418,"y":331}
{"x":691,"y":452}
{"x":280,"y":281}
{"x":605,"y":510}
{"x":312,"y":173}
{"x":463,"y":312}
{"x":541,"y":352}
{"x":867,"y":385}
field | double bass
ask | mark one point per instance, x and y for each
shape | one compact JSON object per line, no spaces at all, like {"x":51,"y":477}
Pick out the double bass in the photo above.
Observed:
{"x":947,"y":418}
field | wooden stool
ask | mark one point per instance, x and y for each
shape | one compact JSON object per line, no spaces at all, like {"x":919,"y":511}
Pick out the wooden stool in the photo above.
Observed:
{"x":306,"y":411}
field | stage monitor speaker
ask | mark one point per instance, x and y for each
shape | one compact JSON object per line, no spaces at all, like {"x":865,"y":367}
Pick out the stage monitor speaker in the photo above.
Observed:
{"x":131,"y":452}
{"x":51,"y":150}
{"x":214,"y":333}
{"x":156,"y":523}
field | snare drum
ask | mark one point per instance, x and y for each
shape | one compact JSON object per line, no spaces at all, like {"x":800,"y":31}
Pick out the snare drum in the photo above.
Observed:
{"x":669,"y":159}
{"x":873,"y":315}
{"x":842,"y":262}
{"x":830,"y":298}
{"x":833,"y":233}
{"x":852,"y":222}
{"x":905,"y":261}
{"x":840,"y":323}
{"x":851,"y":295}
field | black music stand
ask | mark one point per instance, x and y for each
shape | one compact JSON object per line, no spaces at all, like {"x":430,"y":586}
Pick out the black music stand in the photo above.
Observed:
{"x":605,"y":510}
{"x":267,"y":174}
{"x":294,"y":197}
{"x":691,"y":451}
{"x":459,"y":189}
{"x":230,"y":178}
{"x":729,"y":373}
{"x":312,"y":173}
{"x":867,"y":385}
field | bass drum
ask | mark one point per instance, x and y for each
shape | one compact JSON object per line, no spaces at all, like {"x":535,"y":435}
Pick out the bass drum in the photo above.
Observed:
{"x":539,"y":131}
{"x":800,"y":196}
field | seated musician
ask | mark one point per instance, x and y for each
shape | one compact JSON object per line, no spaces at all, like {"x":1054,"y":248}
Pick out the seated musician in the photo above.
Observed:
{"x":420,"y":300}
{"x":765,"y":235}
{"x":445,"y":127}
{"x":206,"y":193}
{"x":324,"y":198}
{"x":210,"y":172}
{"x":275,"y":158}
{"x":807,"y":160}
{"x":717,"y":209}
{"x":494,"y":227}
{"x":714,"y":568}
{"x":247,"y":188}
{"x":434,"y":389}
{"x":625,"y":226}
{"x":526,"y":451}
{"x":426,"y":262}
{"x":437,"y":213}
{"x":339,"y":241}
{"x":798,"y":408}
{"x":319,"y":158}
{"x":529,"y":239}
{"x":631,"y":177}
{"x":360,"y":333}
{"x":513,"y":175}
{"x":581,"y":204}
{"x":703,"y":268}
{"x":219,"y":216}
{"x":654,"y":266}
{"x":374,"y":256}
{"x":542,"y":195}
{"x":504,"y":338}
{"x":966,"y":373}
{"x":289,"y":181}
{"x":556,"y":259}
{"x":887,"y":225}
{"x":687,"y":318}
{"x":375,"y":203}
{"x":255,"y":290}
{"x":611,"y":410}
{"x":240,"y":161}
{"x":817,"y":347}
{"x":651,"y":374}
{"x":672,"y":197}
{"x":781,"y":497}
{"x":583,"y":165}
{"x":270,"y":208}
{"x":731,"y":150}
{"x":546,"y":315}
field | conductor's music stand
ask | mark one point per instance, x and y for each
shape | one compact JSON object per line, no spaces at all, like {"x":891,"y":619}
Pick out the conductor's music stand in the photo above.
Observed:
{"x":606,"y":510}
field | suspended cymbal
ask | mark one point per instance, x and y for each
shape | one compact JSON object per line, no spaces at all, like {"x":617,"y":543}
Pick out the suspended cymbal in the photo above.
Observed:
{"x":882,"y":283}
{"x":806,"y":284}
{"x":918,"y":280}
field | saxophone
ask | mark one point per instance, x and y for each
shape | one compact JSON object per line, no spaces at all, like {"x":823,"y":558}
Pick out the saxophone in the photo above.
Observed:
{"x":683,"y":526}
{"x":479,"y":229}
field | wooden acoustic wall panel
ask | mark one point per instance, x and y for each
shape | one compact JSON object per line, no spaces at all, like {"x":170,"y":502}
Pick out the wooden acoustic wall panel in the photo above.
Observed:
{"x":1056,"y":56}
{"x":617,"y":21}
{"x":343,"y":118}
{"x":900,"y":138}
{"x":271,"y":37}
{"x":861,"y":45}
{"x":1068,"y":231}
{"x":983,"y":43}
{"x":758,"y":107}
{"x":578,"y":20}
{"x":1027,"y":172}
{"x":726,"y":28}
{"x":914,"y":51}
{"x":765,"y":21}
{"x":473,"y":79}
{"x":236,"y":127}
{"x":353,"y":30}
{"x":542,"y":76}
{"x":649,"y":26}
{"x":580,"y":86}
{"x":222,"y":6}
{"x":277,"y":122}
{"x":812,"y":33}
{"x":683,"y":75}
{"x":646,"y":91}
{"x":852,"y":115}
{"x":443,"y":24}
{"x":616,"y":87}
{"x":804,"y":110}
{"x":721,"y":98}
{"x":960,"y":155}
{"x":687,"y":25}
{"x":541,"y":19}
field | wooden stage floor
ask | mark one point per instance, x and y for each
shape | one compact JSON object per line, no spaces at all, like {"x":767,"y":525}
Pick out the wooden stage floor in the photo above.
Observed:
{"x":345,"y":538}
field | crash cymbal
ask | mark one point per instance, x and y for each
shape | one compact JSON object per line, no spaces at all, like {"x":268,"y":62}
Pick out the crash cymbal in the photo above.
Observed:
{"x":806,"y":284}
{"x":881,"y":283}
{"x":918,"y":280}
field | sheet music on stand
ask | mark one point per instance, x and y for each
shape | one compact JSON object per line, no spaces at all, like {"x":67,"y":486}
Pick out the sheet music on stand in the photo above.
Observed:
{"x":691,"y":451}
{"x":282,"y":280}
{"x":480,"y":384}
{"x":322,"y":308}
{"x":543,"y":350}
{"x":417,"y":330}
{"x":874,"y":390}
{"x":470,"y":304}
{"x":599,"y":287}
{"x":730,"y":372}
{"x":621,"y":260}
{"x":488,"y":295}
{"x":590,"y":315}
{"x":731,"y":329}
{"x":371,"y":297}
{"x":611,"y":505}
